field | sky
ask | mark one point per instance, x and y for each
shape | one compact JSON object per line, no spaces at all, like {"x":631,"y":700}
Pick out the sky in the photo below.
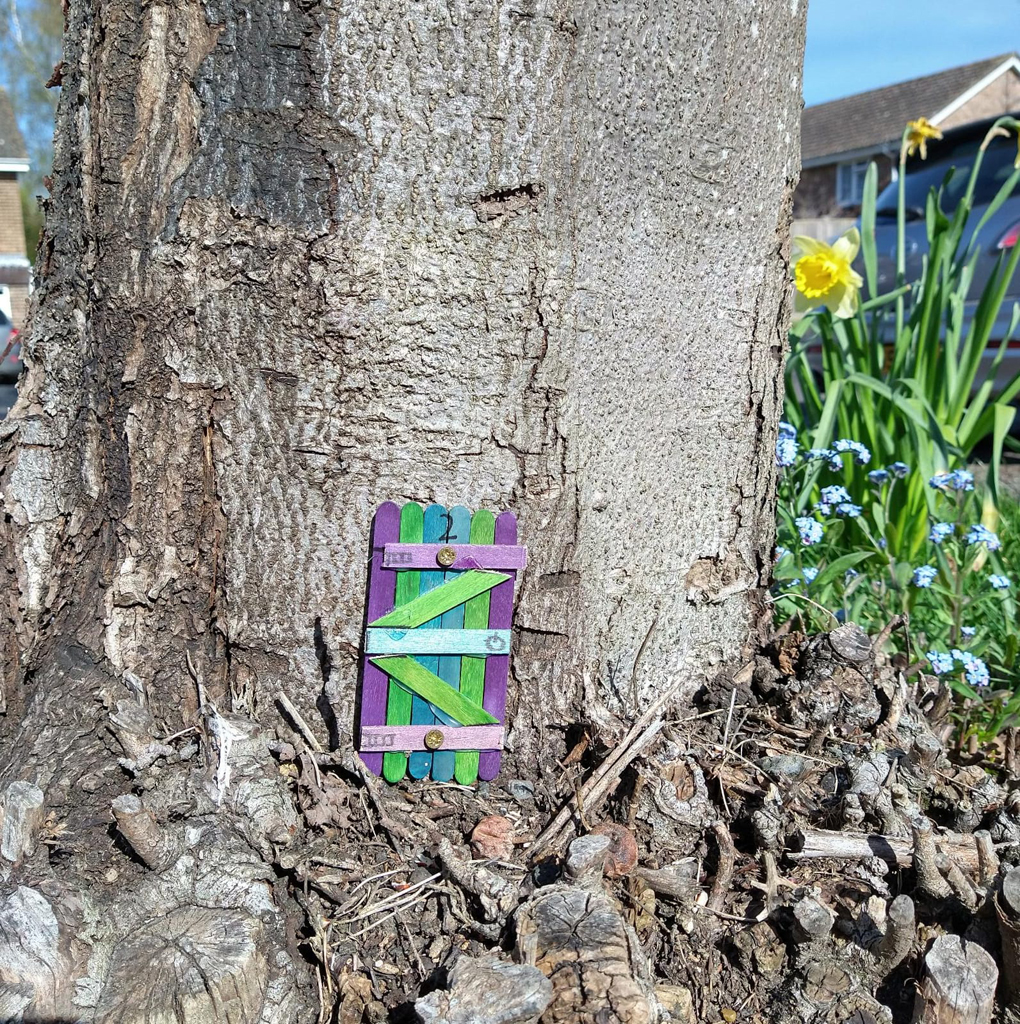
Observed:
{"x":867,"y":43}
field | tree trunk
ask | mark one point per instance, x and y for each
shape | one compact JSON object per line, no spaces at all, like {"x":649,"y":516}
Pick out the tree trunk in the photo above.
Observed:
{"x":306,"y":257}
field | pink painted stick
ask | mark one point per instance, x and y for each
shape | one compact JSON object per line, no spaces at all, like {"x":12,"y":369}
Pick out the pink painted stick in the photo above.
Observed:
{"x":382,"y":587}
{"x":412,"y":737}
{"x":497,"y":667}
{"x":469,"y":556}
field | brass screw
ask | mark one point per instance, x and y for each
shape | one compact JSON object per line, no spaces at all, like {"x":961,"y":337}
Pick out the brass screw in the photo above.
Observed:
{"x":446,"y":557}
{"x":433,"y":739}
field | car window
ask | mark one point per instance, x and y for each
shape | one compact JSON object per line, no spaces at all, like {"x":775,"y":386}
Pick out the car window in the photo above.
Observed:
{"x":923,"y":176}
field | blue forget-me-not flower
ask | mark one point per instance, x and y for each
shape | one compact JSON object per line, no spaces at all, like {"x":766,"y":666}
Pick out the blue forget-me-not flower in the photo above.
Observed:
{"x":810,"y":530}
{"x":924,"y":574}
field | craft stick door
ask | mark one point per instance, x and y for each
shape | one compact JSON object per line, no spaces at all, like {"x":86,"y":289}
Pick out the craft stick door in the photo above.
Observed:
{"x":436,"y":652}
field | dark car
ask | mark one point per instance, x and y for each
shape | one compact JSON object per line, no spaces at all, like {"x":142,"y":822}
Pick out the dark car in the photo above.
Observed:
{"x":10,"y":366}
{"x":954,"y":155}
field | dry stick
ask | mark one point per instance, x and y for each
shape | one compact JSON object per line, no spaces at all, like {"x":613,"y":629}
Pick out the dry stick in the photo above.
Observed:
{"x":900,"y":930}
{"x":603,"y":779}
{"x":817,"y":842}
{"x":137,"y":825}
{"x":724,"y":873}
{"x":353,"y":764}
{"x":929,"y":879}
{"x":725,"y":745}
{"x":988,"y":859}
{"x":886,"y":632}
{"x":295,"y":716}
{"x":197,"y":676}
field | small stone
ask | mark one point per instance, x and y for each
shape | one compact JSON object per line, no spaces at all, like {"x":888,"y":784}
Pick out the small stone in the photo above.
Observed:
{"x":851,"y":642}
{"x":520,"y":790}
{"x":487,"y":990}
{"x":111,"y":876}
{"x":678,"y":1002}
{"x":586,"y":858}
{"x":789,"y":766}
{"x":493,"y":838}
{"x":622,"y":856}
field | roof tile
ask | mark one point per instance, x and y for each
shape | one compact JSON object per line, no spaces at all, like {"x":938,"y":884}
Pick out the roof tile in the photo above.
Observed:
{"x":879,"y":115}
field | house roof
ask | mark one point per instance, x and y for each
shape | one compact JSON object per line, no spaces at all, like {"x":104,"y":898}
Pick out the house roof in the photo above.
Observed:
{"x":867,"y":120}
{"x":12,"y":145}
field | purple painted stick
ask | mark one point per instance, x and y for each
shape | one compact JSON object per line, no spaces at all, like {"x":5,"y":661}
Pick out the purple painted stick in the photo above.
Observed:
{"x":412,"y":737}
{"x":480,"y":556}
{"x":382,"y":587}
{"x":501,"y":610}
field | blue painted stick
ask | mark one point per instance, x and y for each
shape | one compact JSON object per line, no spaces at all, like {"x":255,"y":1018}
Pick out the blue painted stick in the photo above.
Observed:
{"x":420,"y":763}
{"x":444,"y":761}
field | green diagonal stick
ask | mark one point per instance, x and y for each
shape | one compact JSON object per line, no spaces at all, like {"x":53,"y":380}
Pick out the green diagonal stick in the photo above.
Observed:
{"x":427,"y":607}
{"x":430,"y":687}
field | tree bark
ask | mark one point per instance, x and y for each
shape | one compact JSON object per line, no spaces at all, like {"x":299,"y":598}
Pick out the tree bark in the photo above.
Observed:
{"x":958,"y":985}
{"x":303,"y":258}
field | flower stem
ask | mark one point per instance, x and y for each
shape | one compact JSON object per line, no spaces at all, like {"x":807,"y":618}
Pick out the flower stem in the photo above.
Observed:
{"x":901,"y":234}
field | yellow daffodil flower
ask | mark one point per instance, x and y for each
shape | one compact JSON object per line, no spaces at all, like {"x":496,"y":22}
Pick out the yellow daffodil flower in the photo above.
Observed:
{"x":824,"y":276}
{"x":918,"y":134}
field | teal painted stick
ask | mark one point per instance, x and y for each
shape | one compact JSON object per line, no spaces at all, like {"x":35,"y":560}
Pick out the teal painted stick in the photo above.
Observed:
{"x":429,"y":687}
{"x":441,"y":599}
{"x":459,"y":532}
{"x":424,"y":609}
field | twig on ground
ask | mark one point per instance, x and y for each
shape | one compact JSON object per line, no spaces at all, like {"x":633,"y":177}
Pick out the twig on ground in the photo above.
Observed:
{"x":883,"y":636}
{"x":496,"y":895}
{"x":302,"y":726}
{"x":724,"y":872}
{"x":604,"y":779}
{"x":355,"y":766}
{"x":197,"y":677}
{"x":895,"y":850}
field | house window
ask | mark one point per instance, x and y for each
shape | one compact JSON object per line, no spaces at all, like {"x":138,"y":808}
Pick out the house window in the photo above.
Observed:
{"x":850,"y":183}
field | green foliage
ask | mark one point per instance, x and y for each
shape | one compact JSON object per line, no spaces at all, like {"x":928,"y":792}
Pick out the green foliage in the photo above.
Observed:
{"x":886,"y":420}
{"x":903,"y":376}
{"x":947,"y":596}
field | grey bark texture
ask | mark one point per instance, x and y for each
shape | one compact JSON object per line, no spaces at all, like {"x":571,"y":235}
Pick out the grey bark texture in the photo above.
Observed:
{"x":959,"y":984}
{"x":304,"y":257}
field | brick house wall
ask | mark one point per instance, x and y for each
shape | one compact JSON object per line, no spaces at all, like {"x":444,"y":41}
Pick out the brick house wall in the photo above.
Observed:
{"x":12,"y":244}
{"x":816,"y":212}
{"x":815,"y":199}
{"x":19,"y":301}
{"x":816,"y":193}
{"x":1002,"y":95}
{"x":12,"y":225}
